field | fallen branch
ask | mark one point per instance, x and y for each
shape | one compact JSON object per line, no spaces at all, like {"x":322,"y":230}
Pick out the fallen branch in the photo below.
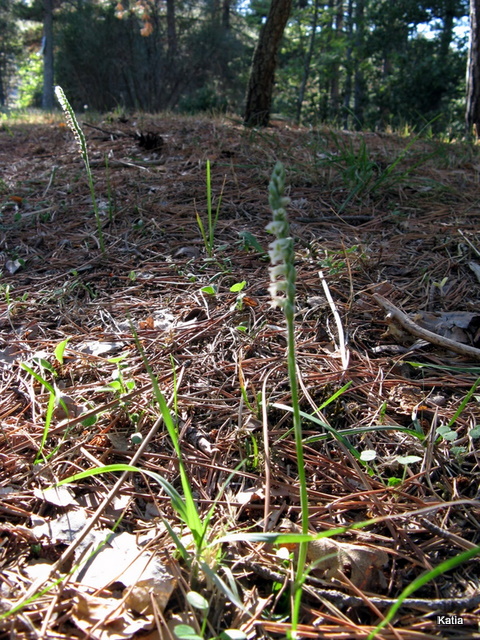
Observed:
{"x":409,"y":325}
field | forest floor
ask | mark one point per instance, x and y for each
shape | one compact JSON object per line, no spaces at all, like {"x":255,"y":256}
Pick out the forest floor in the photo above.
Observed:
{"x":387,"y":220}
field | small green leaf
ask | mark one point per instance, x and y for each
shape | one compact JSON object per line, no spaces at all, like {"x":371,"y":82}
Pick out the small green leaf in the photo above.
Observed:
{"x":209,"y":290}
{"x":238,"y":286}
{"x":44,"y":364}
{"x":443,"y":429}
{"x":368,"y":455}
{"x":394,"y":482}
{"x":89,"y":422}
{"x":446,"y":433}
{"x":186,"y":632}
{"x":59,"y":349}
{"x":240,"y":328}
{"x":117,"y":359}
{"x":473,"y":433}
{"x":197,"y":601}
{"x":136,"y":438}
{"x":406,"y":460}
{"x":250,"y":242}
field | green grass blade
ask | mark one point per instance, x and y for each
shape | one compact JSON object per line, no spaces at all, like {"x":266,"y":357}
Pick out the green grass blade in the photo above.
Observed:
{"x":443,"y":567}
{"x":192,"y":518}
{"x":326,"y":426}
{"x":177,"y":501}
{"x":361,"y":430}
{"x":209,"y":206}
{"x":464,"y":403}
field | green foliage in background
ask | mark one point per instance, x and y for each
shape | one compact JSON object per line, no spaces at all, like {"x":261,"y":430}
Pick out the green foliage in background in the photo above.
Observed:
{"x":378,"y":65}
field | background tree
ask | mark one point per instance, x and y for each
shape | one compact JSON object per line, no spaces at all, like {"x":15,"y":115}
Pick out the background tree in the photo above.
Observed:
{"x":262,"y":75}
{"x":472,"y":116}
{"x":47,"y":50}
{"x":372,"y":64}
{"x":9,"y":48}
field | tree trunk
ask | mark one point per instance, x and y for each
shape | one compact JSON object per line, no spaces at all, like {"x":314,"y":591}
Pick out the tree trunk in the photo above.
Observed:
{"x":308,"y":60}
{"x":2,"y":90}
{"x":359,"y":84}
{"x":226,"y":15}
{"x":262,"y":74}
{"x":335,"y":85}
{"x":472,"y":115}
{"x":348,"y":66}
{"x":47,"y":96}
{"x":171,"y":32}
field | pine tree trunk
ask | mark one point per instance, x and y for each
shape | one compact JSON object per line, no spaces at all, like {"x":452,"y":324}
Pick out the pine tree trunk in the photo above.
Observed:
{"x":348,"y":66}
{"x":171,"y":32}
{"x":472,"y":115}
{"x":262,"y":74}
{"x":226,"y":15}
{"x":308,"y":61}
{"x":359,"y":90}
{"x":47,"y":96}
{"x":335,"y":85}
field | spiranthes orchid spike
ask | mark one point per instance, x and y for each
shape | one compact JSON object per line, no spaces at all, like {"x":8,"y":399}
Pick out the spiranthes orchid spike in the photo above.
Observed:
{"x":282,"y":290}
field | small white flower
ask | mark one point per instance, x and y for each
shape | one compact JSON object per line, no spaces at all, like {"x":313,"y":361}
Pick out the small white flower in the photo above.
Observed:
{"x":280,"y":250}
{"x":277,"y":228}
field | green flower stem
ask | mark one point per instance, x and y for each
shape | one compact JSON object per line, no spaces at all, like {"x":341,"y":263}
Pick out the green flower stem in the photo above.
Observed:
{"x":79,"y":136}
{"x":297,"y":427}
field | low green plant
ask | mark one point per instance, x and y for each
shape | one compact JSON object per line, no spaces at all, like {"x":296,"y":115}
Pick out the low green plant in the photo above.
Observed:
{"x":361,"y":174}
{"x":186,"y":632}
{"x":447,"y":432}
{"x":54,"y":398}
{"x":238,"y":289}
{"x":79,"y":136}
{"x":249,"y":241}
{"x":119,"y":384}
{"x":209,"y":234}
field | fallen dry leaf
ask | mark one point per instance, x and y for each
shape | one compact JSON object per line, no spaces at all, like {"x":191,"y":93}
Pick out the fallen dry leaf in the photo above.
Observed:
{"x":106,"y":618}
{"x":361,"y":564}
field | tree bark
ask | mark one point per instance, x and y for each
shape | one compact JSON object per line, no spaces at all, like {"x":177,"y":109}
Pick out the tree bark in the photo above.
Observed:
{"x":335,"y":86}
{"x":47,"y":95}
{"x":171,"y":32}
{"x":307,"y":63}
{"x":359,"y":91}
{"x":472,"y":115}
{"x":226,"y":15}
{"x":348,"y":66}
{"x":262,"y":73}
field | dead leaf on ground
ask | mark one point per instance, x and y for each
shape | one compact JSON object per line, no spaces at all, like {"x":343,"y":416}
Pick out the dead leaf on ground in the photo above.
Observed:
{"x":360,"y":563}
{"x":461,"y":326}
{"x":106,"y":618}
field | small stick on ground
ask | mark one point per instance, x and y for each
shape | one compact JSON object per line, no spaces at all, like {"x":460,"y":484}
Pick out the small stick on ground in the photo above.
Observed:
{"x":407,"y":323}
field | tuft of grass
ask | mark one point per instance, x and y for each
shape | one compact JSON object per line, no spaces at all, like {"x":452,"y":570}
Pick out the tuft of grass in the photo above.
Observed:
{"x":362,"y":176}
{"x":79,"y":136}
{"x":208,"y":235}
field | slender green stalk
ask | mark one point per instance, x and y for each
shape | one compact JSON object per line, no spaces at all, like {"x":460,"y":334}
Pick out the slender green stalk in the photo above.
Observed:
{"x":212,"y":219}
{"x":282,"y":290}
{"x":209,"y":206}
{"x":79,"y":136}
{"x":50,"y":409}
